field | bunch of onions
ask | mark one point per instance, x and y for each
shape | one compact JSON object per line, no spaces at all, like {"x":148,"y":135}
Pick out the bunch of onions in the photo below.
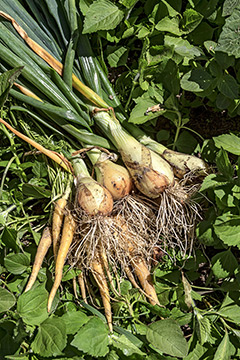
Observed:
{"x":109,"y":223}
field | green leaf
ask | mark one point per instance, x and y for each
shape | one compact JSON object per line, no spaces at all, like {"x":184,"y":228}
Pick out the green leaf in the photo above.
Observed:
{"x":168,"y":24}
{"x":39,"y":169}
{"x":17,"y":263}
{"x":6,"y":81}
{"x":228,"y":142}
{"x":139,"y":115}
{"x":196,"y":353}
{"x":228,"y":86}
{"x":118,"y":57}
{"x":51,"y":338}
{"x":167,"y":337}
{"x":224,"y":165}
{"x":170,"y":7}
{"x":229,"y":38}
{"x":102,"y":15}
{"x":196,"y":80}
{"x":229,"y":6}
{"x":223,"y":350}
{"x":74,"y":320}
{"x":227,"y":228}
{"x":224,"y":264}
{"x":9,"y":238}
{"x":191,"y":19}
{"x":182,"y":47}
{"x":37,"y":192}
{"x":230,"y":308}
{"x":7,"y":300}
{"x":203,"y":328}
{"x":126,"y":346}
{"x":186,"y":142}
{"x":92,"y":338}
{"x":32,"y":306}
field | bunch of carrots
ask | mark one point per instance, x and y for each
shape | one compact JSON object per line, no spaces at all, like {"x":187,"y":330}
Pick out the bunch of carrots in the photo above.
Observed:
{"x":137,"y":201}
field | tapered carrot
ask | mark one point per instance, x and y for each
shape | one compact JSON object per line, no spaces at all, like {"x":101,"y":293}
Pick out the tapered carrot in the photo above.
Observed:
{"x":57,"y":221}
{"x":137,"y":262}
{"x":99,"y":275}
{"x":66,"y":240}
{"x":82,"y":287}
{"x":104,"y":261}
{"x":43,"y":246}
{"x":145,"y":279}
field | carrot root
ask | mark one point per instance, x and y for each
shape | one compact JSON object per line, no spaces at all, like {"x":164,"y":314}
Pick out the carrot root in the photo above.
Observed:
{"x":145,"y":279}
{"x":43,"y":246}
{"x":65,"y":243}
{"x":82,"y":287}
{"x":57,"y":221}
{"x":98,"y":273}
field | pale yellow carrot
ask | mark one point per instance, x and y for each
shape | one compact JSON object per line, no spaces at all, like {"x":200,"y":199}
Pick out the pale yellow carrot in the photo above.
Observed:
{"x":81,"y":283}
{"x":43,"y":246}
{"x":65,"y":243}
{"x":99,"y":275}
{"x":57,"y":221}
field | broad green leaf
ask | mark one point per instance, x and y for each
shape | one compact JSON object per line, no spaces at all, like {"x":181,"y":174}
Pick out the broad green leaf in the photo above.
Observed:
{"x":32,"y":306}
{"x":228,"y":41}
{"x":191,"y":19}
{"x":84,"y":5}
{"x":128,"y":3}
{"x":126,"y":346}
{"x":223,"y":350}
{"x":203,"y":328}
{"x":228,"y":142}
{"x":227,"y":228}
{"x":171,"y":7}
{"x":74,"y":320}
{"x":51,"y":338}
{"x":230,"y":309}
{"x":228,"y":86}
{"x":17,"y":263}
{"x":186,"y":142}
{"x":102,"y":15}
{"x":167,"y":337}
{"x":196,"y":80}
{"x":7,"y":300}
{"x":222,"y":102}
{"x":118,"y":57}
{"x":223,"y":164}
{"x":39,"y":169}
{"x":132,"y":338}
{"x":139,"y":114}
{"x":224,"y":60}
{"x":92,"y":338}
{"x":182,"y":47}
{"x":37,"y":192}
{"x":170,"y":25}
{"x":229,"y":6}
{"x":213,"y":180}
{"x":9,"y":238}
{"x":196,"y":353}
{"x":170,"y":77}
{"x":224,"y":264}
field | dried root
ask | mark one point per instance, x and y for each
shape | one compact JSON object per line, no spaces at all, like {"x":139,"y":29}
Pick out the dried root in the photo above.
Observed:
{"x":177,"y":217}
